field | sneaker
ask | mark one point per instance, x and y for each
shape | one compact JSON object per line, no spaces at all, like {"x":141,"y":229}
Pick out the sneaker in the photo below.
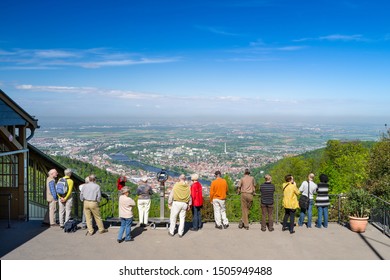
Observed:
{"x":120,"y":240}
{"x":103,"y":231}
{"x":88,"y":233}
{"x":170,"y":234}
{"x":271,"y":229}
{"x":226,"y":226}
{"x":129,"y":240}
{"x":193,"y":229}
{"x":240,"y":224}
{"x":285,"y":228}
{"x":291,"y":232}
{"x":263,"y":229}
{"x":180,"y":235}
{"x":218,"y":227}
{"x":61,"y":227}
{"x":247,"y":228}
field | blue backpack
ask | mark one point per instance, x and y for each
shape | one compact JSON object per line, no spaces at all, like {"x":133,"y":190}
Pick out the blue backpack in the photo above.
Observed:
{"x":62,"y":187}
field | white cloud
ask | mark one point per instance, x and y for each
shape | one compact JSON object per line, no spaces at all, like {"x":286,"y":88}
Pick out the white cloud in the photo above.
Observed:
{"x":217,"y":30}
{"x":55,"y":54}
{"x":335,"y":37}
{"x":84,"y":58}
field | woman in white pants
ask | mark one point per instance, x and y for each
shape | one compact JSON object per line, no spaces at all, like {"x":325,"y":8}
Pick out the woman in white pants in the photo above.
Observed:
{"x":144,"y":192}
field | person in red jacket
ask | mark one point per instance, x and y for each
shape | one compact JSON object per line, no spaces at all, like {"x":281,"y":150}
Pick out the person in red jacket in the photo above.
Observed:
{"x":121,"y":182}
{"x":197,"y":202}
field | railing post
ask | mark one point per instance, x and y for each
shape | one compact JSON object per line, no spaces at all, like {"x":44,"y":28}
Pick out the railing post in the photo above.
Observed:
{"x":384,"y":219}
{"x":339,"y":209}
{"x":9,"y":210}
{"x":277,"y":208}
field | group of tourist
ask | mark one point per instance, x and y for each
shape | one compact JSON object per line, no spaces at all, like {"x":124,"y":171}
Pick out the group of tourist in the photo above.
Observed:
{"x":185,"y":197}
{"x":90,"y":194}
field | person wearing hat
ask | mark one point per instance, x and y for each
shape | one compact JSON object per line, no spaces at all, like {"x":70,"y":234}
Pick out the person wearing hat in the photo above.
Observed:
{"x":126,"y":215}
{"x":144,"y":191}
{"x":218,"y":191}
{"x":246,"y":188}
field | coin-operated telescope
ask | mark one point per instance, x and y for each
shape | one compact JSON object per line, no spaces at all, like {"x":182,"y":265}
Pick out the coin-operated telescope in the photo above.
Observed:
{"x":162,"y":177}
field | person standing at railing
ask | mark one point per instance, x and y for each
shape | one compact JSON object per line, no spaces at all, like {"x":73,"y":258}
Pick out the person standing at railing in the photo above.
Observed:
{"x":126,"y":205}
{"x":307,"y":188}
{"x":179,"y":201}
{"x":218,"y":192}
{"x":144,"y":191}
{"x":197,"y":202}
{"x":246,"y":188}
{"x":91,"y":196}
{"x":121,"y":182}
{"x":83,"y":222}
{"x":66,"y":201}
{"x":52,"y":198}
{"x":290,"y":202}
{"x":267,"y":190}
{"x":322,"y":201}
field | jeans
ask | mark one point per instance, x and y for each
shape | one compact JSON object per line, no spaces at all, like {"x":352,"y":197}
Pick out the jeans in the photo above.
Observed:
{"x":196,"y":217}
{"x":289,"y":213}
{"x":125,"y":226}
{"x":309,"y":214}
{"x":322,"y":210}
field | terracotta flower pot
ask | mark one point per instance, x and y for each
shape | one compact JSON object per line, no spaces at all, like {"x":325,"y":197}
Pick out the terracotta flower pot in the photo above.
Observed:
{"x":358,"y":224}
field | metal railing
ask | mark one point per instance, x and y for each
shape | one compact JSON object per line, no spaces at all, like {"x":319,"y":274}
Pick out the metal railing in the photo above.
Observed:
{"x":380,"y":214}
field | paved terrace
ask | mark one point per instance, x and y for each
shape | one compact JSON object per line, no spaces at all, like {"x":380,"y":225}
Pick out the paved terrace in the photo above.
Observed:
{"x":30,"y":241}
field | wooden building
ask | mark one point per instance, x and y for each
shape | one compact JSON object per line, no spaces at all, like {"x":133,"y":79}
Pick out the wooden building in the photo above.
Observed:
{"x":23,"y":168}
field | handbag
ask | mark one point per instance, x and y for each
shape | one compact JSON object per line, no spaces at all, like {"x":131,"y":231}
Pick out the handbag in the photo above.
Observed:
{"x":304,"y":200}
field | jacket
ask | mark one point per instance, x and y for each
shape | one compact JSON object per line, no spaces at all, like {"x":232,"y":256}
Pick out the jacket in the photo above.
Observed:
{"x":290,"y":193}
{"x":196,"y":194}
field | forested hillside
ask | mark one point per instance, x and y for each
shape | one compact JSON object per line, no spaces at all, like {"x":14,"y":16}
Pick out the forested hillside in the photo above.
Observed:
{"x":348,"y":165}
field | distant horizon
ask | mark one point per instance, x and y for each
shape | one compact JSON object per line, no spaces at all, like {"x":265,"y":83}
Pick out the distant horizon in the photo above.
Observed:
{"x":213,"y":119}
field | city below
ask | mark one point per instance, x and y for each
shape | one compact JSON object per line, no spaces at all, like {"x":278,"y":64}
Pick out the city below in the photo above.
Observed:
{"x":139,"y":149}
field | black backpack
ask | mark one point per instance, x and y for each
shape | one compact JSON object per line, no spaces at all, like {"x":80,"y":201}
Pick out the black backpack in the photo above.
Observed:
{"x":71,"y":226}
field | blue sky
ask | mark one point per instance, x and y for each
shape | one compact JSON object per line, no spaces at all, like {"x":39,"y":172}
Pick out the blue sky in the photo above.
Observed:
{"x":197,"y":58}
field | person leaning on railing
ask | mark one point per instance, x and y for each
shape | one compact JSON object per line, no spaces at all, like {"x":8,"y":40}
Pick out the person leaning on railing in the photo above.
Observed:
{"x":246,"y":188}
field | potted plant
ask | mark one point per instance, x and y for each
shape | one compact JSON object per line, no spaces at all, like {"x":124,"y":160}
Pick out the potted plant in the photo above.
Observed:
{"x":357,"y":206}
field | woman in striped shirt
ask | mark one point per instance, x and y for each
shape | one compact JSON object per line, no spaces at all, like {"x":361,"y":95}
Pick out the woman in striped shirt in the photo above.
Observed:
{"x":322,"y":201}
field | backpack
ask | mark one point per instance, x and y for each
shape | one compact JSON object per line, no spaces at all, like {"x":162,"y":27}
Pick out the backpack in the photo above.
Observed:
{"x":71,"y":226}
{"x":62,"y":187}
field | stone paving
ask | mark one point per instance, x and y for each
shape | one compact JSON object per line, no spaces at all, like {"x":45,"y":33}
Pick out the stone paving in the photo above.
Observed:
{"x":31,"y":241}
